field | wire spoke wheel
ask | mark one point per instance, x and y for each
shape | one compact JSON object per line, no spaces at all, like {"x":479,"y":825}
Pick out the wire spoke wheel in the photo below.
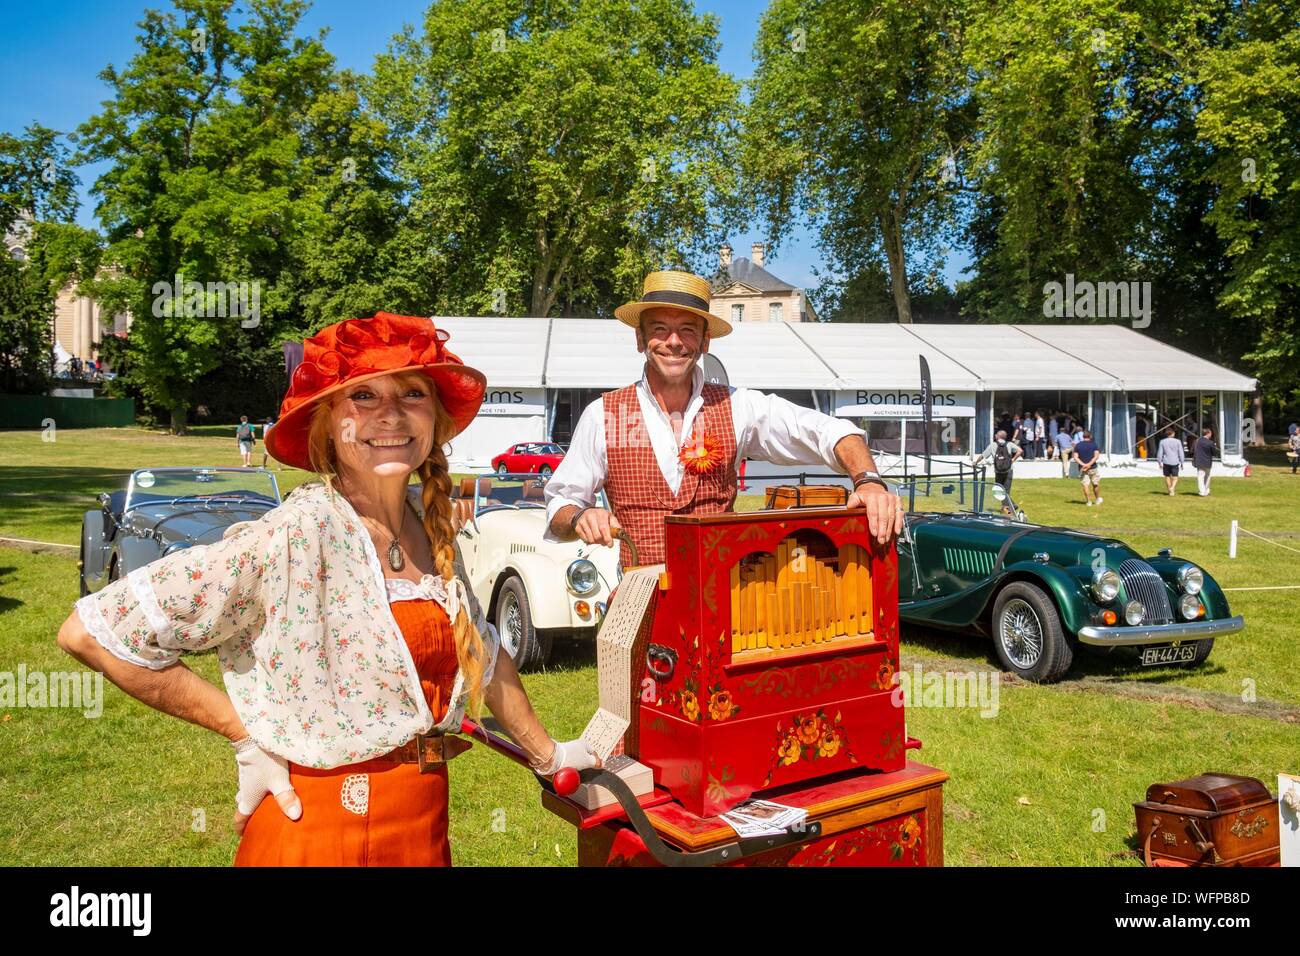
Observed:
{"x":511,"y":624}
{"x":1021,"y":633}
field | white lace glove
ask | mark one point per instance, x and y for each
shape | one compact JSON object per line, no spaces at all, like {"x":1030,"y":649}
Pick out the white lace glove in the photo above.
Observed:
{"x":261,"y":773}
{"x":571,"y":753}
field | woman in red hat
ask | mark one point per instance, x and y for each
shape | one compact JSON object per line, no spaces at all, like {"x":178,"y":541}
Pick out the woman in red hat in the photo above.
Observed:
{"x":348,"y":641}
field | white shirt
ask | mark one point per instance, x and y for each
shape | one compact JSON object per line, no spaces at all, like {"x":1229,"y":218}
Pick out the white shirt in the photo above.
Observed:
{"x":767,"y":428}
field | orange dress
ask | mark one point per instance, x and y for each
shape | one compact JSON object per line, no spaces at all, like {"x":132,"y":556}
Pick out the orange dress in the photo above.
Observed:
{"x":374,"y":813}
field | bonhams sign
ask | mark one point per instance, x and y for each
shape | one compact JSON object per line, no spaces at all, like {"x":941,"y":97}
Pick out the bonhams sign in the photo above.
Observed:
{"x":513,"y":401}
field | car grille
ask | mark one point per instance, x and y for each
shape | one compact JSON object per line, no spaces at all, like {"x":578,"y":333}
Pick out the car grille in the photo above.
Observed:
{"x":522,"y":548}
{"x":1142,"y":583}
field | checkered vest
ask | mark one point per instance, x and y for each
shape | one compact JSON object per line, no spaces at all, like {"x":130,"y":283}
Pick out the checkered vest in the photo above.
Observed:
{"x":637,"y":491}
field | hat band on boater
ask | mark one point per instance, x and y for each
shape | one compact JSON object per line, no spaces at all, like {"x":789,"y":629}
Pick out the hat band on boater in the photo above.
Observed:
{"x":677,"y":298}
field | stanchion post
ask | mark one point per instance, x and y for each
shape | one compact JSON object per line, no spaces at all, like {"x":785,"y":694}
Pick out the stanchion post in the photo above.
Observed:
{"x":1232,"y":540}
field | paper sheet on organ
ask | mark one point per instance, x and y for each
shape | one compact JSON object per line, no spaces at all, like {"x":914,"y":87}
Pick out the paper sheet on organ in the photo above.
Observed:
{"x":604,"y":731}
{"x":617,"y":635}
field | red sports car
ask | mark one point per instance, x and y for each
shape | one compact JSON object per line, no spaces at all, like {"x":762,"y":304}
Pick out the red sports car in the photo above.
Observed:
{"x":541,"y":457}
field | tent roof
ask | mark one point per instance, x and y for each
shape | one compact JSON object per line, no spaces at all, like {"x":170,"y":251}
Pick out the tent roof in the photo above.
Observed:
{"x":594,"y":353}
{"x":1139,"y":361}
{"x":511,"y":352}
{"x":879,"y":355}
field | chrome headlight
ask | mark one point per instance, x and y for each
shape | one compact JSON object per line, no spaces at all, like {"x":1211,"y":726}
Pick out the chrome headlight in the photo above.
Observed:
{"x":582,"y":577}
{"x":175,"y":546}
{"x":1189,"y":606}
{"x":1134,"y":612}
{"x":1191,"y":578}
{"x":1105,"y":585}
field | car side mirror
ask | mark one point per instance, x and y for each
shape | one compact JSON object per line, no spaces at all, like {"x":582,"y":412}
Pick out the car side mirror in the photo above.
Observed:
{"x":102,"y":497}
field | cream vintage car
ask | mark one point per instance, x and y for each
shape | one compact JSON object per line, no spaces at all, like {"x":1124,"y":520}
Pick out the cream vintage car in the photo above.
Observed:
{"x":534,"y":590}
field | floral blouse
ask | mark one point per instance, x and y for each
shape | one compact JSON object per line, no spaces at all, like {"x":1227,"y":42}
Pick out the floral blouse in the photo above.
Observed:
{"x":297,"y":607}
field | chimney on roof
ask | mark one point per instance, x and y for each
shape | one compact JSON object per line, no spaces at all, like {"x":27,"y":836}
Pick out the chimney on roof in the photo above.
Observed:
{"x":756,"y":254}
{"x":724,"y":255}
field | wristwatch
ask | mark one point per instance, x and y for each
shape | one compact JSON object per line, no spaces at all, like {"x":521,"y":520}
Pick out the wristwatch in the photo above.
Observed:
{"x":868,"y":477}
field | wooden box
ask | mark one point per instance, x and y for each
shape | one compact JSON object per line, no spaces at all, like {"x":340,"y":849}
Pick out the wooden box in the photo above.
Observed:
{"x":771,"y":656}
{"x":1215,"y":819}
{"x":806,"y":496}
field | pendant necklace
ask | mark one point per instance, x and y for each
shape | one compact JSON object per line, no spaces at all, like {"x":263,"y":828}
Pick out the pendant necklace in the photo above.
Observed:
{"x":395,"y":559}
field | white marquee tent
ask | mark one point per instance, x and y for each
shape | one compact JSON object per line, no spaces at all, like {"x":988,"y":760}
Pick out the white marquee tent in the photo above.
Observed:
{"x":541,"y":372}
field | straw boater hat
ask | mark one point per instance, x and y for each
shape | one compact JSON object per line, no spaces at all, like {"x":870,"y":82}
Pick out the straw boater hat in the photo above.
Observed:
{"x":680,"y":290}
{"x":360,"y":349}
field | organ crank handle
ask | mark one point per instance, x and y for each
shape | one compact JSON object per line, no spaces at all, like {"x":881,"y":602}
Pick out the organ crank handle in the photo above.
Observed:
{"x":565,"y":780}
{"x":618,"y":533}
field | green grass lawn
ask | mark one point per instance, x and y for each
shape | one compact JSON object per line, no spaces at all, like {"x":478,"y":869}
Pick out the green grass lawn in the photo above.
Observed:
{"x":1049,"y":780}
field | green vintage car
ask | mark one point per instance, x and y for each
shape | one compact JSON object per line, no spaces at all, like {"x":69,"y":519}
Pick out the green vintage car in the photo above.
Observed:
{"x":969,"y":561}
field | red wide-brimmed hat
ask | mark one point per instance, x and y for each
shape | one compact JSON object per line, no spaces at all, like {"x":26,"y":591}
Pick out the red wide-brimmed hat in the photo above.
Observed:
{"x":358,"y":349}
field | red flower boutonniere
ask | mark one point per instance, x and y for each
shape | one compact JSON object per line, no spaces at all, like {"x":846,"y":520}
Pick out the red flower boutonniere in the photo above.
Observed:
{"x":700,"y":453}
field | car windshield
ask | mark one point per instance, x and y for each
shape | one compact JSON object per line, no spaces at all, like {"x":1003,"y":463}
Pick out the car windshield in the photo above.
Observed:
{"x":224,"y":483}
{"x":517,"y":492}
{"x":952,"y":495}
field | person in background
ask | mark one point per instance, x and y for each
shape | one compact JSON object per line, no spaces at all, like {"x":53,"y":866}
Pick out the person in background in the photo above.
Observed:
{"x":1053,"y":429}
{"x":1140,"y":429}
{"x":1170,"y":457}
{"x":1005,"y":424}
{"x":1088,"y":455}
{"x":1203,"y":452}
{"x":1064,"y":445}
{"x":1076,"y":432}
{"x":1040,"y":434}
{"x":245,"y":436}
{"x":266,"y":427}
{"x":1004,"y":454}
{"x":1028,"y":435}
{"x":1293,"y":443}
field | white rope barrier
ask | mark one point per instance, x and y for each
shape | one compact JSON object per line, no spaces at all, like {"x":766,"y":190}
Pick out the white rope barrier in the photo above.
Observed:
{"x":1261,"y":538}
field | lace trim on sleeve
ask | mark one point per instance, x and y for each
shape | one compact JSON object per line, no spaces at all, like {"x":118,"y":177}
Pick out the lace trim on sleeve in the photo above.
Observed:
{"x":88,"y":610}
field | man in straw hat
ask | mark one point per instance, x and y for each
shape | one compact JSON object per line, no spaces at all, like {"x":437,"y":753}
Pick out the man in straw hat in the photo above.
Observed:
{"x":670,"y":443}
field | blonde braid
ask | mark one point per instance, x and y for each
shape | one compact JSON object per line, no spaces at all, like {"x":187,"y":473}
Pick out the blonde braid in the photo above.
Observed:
{"x":436,"y":497}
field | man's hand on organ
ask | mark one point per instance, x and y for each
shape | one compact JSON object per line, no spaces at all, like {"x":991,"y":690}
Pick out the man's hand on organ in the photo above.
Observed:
{"x":884,"y":510}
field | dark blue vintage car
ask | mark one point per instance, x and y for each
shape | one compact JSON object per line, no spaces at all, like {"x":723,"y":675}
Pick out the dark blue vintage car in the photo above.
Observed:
{"x":164,"y":509}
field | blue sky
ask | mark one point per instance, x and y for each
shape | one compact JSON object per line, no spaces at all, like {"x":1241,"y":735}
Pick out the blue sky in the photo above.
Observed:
{"x":51,"y":54}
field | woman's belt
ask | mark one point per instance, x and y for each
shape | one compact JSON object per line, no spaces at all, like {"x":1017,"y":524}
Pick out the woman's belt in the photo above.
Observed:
{"x":430,"y":751}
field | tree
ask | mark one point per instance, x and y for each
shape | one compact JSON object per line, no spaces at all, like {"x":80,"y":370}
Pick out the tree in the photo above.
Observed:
{"x":556,"y":151}
{"x":206,"y":182}
{"x":1081,"y":111}
{"x":1252,"y":98}
{"x":858,"y":116}
{"x":37,"y":202}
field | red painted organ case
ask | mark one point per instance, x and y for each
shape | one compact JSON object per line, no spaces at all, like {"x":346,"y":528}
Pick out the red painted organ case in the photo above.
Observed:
{"x":770,"y":651}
